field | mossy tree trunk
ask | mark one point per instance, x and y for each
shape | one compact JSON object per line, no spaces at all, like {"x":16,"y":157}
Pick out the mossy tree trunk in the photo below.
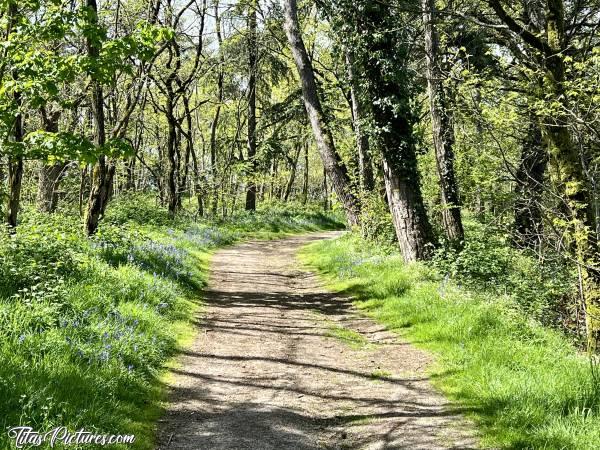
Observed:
{"x":565,"y":158}
{"x":390,"y":94}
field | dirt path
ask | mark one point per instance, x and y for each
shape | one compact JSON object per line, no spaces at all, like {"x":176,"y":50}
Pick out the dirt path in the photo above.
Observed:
{"x":270,"y":368}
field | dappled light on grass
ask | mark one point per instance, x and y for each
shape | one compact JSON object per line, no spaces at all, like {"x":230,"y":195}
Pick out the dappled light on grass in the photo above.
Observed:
{"x":528,"y":386}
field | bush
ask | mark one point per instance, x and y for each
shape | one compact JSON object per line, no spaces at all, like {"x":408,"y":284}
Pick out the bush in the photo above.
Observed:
{"x":488,"y":263}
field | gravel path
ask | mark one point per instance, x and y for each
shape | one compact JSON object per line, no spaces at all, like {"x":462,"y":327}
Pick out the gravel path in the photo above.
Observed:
{"x":270,"y":368}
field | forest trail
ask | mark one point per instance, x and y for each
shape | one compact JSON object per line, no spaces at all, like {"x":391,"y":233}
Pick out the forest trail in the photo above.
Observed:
{"x":275,"y":366}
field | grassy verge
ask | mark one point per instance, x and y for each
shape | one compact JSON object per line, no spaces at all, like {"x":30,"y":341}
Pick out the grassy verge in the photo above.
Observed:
{"x":87,"y":325}
{"x":525,"y":385}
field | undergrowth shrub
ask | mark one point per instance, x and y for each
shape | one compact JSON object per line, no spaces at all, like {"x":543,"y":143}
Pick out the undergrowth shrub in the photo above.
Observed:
{"x":489,"y":263}
{"x":375,"y":220}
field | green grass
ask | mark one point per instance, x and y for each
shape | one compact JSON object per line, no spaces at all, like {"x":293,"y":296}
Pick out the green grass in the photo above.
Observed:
{"x":349,"y":337}
{"x":380,"y":374}
{"x":88,"y":325}
{"x":525,"y":385}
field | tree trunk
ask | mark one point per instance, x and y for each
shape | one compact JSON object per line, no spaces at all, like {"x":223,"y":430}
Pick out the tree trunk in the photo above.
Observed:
{"x":48,"y":182}
{"x":305,"y":181}
{"x":570,"y":174}
{"x":290,"y":184}
{"x":334,"y":166}
{"x":325,"y":191}
{"x":252,"y":59}
{"x":530,"y":178}
{"x":103,"y":171}
{"x":172,"y":194}
{"x":365,"y":167}
{"x":393,"y":119}
{"x":408,"y":215}
{"x":215,"y":122}
{"x":442,"y":129}
{"x":15,"y":162}
{"x":15,"y":180}
{"x":49,"y":176}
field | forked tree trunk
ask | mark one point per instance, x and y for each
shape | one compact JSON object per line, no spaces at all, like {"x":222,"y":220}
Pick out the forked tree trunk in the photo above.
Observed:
{"x":334,"y":166}
{"x":442,"y":128}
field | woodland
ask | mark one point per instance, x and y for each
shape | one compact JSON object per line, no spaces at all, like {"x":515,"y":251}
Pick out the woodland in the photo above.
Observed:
{"x":458,"y":142}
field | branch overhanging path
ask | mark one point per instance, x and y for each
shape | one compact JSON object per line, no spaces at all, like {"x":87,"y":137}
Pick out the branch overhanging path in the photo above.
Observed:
{"x":265,"y":371}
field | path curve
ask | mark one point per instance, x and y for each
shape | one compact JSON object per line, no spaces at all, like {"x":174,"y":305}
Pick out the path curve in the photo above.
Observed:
{"x":265,"y":372}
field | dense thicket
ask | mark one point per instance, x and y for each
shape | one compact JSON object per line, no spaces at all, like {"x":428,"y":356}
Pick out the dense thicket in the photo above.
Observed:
{"x":417,"y":118}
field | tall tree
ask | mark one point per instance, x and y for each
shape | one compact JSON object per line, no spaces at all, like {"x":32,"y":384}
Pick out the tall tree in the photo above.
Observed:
{"x":568,"y":170}
{"x":441,"y":127}
{"x":214,"y":125}
{"x":15,"y":161}
{"x":335,"y":169}
{"x":252,"y":66}
{"x":384,"y":54}
{"x":103,"y":170}
{"x":365,"y":167}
